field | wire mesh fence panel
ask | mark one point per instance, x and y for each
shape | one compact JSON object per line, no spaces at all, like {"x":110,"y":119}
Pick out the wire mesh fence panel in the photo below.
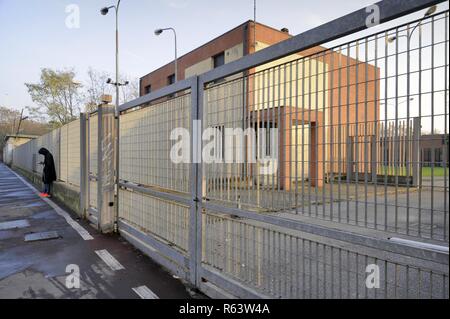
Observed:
{"x":167,"y":220}
{"x":24,"y":156}
{"x":146,"y":144}
{"x":285,"y":264}
{"x":356,"y":134}
{"x":73,"y":151}
{"x":64,"y":153}
{"x":92,"y":152}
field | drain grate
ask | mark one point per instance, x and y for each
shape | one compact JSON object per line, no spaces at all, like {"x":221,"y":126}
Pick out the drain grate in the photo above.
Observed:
{"x":21,"y":223}
{"x":42,"y":236}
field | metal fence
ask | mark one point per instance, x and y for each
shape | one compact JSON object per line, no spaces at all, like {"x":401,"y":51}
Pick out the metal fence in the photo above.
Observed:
{"x":64,"y":144}
{"x":314,"y":167}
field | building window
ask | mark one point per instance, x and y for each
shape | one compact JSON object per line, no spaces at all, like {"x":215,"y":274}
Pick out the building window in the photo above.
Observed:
{"x":219,"y":59}
{"x":148,"y":89}
{"x":171,"y":79}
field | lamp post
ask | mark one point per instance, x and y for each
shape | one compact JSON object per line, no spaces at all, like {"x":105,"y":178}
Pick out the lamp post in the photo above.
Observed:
{"x":157,"y":33}
{"x":417,"y":169}
{"x":117,"y":84}
{"x":429,"y":12}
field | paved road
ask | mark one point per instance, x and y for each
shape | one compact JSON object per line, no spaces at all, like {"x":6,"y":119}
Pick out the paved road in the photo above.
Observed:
{"x":38,"y":269}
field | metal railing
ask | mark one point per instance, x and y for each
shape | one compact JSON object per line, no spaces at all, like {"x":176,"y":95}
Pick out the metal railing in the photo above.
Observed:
{"x":349,"y":175}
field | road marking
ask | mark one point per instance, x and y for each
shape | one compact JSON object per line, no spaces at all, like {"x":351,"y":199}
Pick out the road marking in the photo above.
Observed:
{"x":145,"y":293}
{"x":21,"y":223}
{"x":80,"y":230}
{"x":109,"y":259}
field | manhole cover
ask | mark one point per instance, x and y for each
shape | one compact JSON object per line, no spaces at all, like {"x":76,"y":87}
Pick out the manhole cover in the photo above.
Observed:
{"x":41,"y":236}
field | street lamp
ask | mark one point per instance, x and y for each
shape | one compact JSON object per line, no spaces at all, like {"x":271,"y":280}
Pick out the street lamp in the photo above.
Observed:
{"x":429,"y":12}
{"x":157,"y":33}
{"x":104,"y":11}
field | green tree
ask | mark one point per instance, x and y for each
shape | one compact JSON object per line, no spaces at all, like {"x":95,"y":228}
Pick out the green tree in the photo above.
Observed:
{"x":57,"y":95}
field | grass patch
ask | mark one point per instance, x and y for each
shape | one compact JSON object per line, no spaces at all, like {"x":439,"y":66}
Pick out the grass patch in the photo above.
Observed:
{"x":426,"y":171}
{"x":437,"y":171}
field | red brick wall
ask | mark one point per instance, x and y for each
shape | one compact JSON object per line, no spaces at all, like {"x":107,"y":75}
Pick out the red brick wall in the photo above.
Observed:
{"x":158,"y":78}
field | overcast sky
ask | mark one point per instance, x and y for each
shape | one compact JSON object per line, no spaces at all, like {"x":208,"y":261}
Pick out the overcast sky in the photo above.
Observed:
{"x":34,"y":35}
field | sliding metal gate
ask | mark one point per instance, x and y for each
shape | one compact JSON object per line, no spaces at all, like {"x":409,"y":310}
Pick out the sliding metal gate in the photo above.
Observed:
{"x":298,"y":222}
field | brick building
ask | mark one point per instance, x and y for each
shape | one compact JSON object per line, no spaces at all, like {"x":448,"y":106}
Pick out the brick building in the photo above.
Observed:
{"x":356,"y":88}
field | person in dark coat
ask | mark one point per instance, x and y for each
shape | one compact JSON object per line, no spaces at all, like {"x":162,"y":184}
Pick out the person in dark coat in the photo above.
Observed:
{"x":49,"y":172}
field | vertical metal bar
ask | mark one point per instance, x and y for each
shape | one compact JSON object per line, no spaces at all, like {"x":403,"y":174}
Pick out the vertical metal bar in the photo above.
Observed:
{"x":309,"y":133}
{"x":408,"y":137}
{"x":296,"y":134}
{"x":200,"y":89}
{"x":303,"y":135}
{"x":263,"y":145}
{"x":316,"y":142}
{"x":280,"y":128}
{"x":396,"y":129}
{"x":83,"y":167}
{"x":356,"y":132}
{"x":366,"y":133}
{"x":432,"y":125}
{"x":289,"y":136}
{"x":385,"y":134}
{"x":375,"y":136}
{"x":418,"y":135}
{"x":357,"y":275}
{"x":100,"y":176}
{"x":324,"y":134}
{"x":445,"y":150}
{"x":340,"y":272}
{"x":259,"y":137}
{"x":195,"y":187}
{"x":331,"y":129}
{"x":275,"y":124}
{"x":332,"y":272}
{"x":349,"y":146}
{"x":303,"y":269}
{"x":340,"y":143}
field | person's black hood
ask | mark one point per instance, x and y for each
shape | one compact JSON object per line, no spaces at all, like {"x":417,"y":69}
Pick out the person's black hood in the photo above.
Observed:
{"x":43,"y":151}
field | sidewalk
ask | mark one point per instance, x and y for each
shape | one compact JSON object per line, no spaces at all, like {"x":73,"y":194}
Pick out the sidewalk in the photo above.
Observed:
{"x":109,"y":267}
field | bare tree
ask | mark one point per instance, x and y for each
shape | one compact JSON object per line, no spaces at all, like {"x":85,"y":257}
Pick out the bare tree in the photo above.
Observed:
{"x":130,"y":91}
{"x":9,"y":122}
{"x":97,"y":86}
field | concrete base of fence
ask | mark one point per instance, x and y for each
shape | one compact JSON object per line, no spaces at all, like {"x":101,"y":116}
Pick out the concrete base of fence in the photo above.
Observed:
{"x":62,"y":192}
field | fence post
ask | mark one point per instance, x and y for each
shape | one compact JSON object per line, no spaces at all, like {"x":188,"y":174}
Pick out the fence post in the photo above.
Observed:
{"x":195,"y":220}
{"x":105,"y":168}
{"x":83,"y":166}
{"x":416,"y":167}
